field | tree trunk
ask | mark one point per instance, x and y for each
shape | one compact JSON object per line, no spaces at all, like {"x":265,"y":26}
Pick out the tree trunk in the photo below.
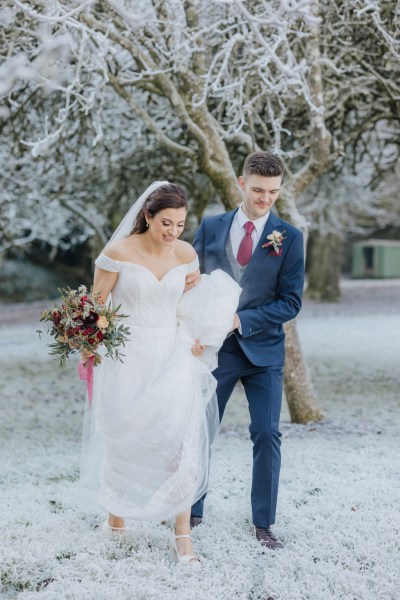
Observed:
{"x":324,"y":267}
{"x":213,"y":158}
{"x":299,"y":390}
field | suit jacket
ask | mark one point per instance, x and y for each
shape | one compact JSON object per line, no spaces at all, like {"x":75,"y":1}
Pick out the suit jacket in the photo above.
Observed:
{"x":272,"y":285}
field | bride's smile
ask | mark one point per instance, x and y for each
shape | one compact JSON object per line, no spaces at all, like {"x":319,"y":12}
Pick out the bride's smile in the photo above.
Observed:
{"x":166,"y":226}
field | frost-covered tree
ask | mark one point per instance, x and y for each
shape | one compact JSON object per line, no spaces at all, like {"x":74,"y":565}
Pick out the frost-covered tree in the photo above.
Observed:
{"x":186,"y":85}
{"x":211,"y":80}
{"x":183,"y":68}
{"x":360,"y":60}
{"x":203,"y":83}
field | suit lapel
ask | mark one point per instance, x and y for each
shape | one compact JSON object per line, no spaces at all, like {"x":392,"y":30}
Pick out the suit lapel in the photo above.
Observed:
{"x":260,"y":252}
{"x":222,"y":229}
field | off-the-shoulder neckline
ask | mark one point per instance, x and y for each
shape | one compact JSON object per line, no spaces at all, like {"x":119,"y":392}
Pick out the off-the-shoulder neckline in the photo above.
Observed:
{"x":129,"y":262}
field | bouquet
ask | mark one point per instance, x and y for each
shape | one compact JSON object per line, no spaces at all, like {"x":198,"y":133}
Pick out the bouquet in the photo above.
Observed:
{"x":81,"y":325}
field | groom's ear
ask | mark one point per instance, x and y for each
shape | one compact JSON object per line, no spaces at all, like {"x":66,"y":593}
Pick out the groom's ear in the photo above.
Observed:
{"x":241,"y":182}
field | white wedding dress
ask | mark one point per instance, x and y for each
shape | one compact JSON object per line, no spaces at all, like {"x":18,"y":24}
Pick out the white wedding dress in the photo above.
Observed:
{"x":147,"y":436}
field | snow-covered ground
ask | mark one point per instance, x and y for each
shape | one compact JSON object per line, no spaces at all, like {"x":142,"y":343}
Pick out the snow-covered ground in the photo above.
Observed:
{"x":338,"y":510}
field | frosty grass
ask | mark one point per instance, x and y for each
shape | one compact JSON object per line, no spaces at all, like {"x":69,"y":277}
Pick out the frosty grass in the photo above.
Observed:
{"x":338,"y":511}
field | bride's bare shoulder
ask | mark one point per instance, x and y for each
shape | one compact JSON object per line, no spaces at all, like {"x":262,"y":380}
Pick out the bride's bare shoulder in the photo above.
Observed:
{"x":121,"y":249}
{"x":185,"y":252}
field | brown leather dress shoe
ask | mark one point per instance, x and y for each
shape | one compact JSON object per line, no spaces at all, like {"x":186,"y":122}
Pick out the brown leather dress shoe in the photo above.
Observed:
{"x":194,"y":521}
{"x":267,"y":538}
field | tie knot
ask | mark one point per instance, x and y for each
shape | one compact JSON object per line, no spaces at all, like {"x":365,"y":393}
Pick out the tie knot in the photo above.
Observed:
{"x":249,"y":226}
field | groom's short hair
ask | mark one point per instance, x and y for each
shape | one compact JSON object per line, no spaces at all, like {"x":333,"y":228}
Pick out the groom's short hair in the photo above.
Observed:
{"x":262,"y":163}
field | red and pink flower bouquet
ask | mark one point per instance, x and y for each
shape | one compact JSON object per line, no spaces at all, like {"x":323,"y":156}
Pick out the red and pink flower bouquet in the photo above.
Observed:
{"x":81,"y":325}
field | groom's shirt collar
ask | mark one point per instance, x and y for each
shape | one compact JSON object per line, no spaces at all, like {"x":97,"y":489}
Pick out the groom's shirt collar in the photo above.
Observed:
{"x":259,"y":223}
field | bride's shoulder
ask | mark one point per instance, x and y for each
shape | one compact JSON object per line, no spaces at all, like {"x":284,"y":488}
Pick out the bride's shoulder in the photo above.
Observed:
{"x":119,"y":249}
{"x":185,"y":252}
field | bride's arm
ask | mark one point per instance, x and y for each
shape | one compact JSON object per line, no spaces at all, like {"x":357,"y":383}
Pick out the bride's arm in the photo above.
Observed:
{"x":187,"y":254}
{"x":103,"y":283}
{"x":107,"y":270}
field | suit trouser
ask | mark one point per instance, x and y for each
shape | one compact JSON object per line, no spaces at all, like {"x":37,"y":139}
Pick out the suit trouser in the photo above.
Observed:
{"x":263,"y":388}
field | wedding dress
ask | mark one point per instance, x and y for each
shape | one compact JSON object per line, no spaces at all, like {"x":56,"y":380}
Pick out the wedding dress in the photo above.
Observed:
{"x":147,"y":436}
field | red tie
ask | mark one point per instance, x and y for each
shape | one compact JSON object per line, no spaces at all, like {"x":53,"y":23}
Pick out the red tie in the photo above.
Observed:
{"x":246,"y":245}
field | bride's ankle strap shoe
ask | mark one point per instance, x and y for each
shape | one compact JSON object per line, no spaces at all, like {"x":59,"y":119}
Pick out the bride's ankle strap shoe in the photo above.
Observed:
{"x":106,"y":525}
{"x":186,"y":559}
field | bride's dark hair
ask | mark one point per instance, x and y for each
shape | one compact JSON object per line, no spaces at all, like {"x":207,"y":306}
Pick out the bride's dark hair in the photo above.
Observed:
{"x":169,"y":195}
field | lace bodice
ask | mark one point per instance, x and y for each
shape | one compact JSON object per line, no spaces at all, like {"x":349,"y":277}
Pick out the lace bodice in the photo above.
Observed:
{"x":148,"y":301}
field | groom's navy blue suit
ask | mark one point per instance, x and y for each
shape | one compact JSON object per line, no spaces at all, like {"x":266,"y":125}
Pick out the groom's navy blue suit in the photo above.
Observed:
{"x":272,"y":287}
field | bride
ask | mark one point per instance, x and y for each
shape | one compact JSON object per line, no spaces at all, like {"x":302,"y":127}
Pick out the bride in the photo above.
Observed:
{"x":147,"y":438}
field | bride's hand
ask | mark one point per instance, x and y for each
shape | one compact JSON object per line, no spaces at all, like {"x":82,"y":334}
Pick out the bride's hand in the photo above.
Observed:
{"x":191,"y":280}
{"x":198,"y":349}
{"x":85,"y":354}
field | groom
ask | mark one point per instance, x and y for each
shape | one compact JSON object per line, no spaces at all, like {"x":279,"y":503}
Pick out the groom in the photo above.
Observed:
{"x":265,"y":255}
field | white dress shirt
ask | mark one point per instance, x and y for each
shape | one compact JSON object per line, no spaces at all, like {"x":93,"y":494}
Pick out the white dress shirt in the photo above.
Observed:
{"x":238,"y":231}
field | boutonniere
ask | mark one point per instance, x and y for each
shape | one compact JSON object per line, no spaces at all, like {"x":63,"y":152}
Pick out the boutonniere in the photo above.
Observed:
{"x":275,"y":240}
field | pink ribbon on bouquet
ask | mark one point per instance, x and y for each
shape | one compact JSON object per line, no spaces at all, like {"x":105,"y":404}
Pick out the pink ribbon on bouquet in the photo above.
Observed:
{"x":85,"y":372}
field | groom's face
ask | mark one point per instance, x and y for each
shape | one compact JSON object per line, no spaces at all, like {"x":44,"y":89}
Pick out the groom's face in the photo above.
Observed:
{"x":259,"y":194}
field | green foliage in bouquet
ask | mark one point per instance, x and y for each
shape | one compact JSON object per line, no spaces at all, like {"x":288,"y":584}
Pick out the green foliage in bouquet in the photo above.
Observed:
{"x":82,"y":324}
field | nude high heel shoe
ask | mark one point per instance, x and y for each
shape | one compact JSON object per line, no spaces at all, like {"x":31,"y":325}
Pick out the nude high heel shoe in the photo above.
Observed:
{"x":107,"y":527}
{"x":186,"y":559}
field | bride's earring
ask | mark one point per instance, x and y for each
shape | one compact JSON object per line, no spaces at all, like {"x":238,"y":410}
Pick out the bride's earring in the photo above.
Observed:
{"x":147,"y":224}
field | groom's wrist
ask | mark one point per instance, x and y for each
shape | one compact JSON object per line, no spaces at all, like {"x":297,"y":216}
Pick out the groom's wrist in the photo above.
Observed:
{"x":239,"y":325}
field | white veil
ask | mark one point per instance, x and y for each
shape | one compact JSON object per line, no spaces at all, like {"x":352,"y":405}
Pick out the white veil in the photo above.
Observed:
{"x":125,"y":227}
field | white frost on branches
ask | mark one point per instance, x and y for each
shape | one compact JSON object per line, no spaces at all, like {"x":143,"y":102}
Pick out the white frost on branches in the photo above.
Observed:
{"x":89,"y":88}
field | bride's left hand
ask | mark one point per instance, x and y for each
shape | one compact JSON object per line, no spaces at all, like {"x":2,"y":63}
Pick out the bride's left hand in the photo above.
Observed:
{"x":198,"y":349}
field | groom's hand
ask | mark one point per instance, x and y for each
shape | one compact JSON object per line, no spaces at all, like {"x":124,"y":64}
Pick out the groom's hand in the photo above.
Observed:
{"x":191,"y":280}
{"x":236,"y":322}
